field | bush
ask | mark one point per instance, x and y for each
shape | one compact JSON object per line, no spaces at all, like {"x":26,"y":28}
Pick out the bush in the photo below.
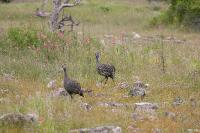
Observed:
{"x":6,"y":1}
{"x":183,"y":12}
{"x":24,"y":38}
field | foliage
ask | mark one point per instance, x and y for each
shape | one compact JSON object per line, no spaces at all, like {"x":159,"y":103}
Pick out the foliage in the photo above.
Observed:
{"x":23,"y":38}
{"x":7,"y":1}
{"x":181,"y":12}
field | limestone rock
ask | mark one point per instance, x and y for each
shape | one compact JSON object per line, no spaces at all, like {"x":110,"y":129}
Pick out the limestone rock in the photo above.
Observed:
{"x":18,"y":119}
{"x":102,"y":129}
{"x":145,"y":106}
{"x":60,"y":92}
{"x":52,"y":84}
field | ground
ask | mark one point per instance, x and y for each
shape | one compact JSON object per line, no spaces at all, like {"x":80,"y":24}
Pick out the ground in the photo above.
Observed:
{"x":165,"y":57}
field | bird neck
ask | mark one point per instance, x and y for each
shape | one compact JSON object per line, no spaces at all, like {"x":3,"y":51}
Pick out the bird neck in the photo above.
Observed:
{"x":65,"y":75}
{"x":97,"y":60}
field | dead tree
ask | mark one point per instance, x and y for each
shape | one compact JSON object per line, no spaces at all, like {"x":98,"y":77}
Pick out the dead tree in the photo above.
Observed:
{"x":55,"y":23}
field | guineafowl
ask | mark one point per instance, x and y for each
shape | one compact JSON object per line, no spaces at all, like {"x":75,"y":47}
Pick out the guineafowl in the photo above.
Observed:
{"x":106,"y":70}
{"x":71,"y":86}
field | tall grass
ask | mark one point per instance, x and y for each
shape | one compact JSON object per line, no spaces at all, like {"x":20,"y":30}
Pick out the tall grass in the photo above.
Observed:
{"x":34,"y":56}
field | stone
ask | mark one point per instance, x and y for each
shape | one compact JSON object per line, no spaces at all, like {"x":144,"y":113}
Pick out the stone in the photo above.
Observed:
{"x":177,"y":101}
{"x":60,"y":92}
{"x":123,"y":85}
{"x":102,"y":129}
{"x":146,"y":106}
{"x":18,"y":119}
{"x":136,"y":35}
{"x":86,"y":106}
{"x":52,"y":84}
{"x":111,"y":104}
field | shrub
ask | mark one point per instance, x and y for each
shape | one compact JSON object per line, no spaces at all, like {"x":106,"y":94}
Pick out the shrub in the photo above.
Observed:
{"x":6,"y":1}
{"x":183,"y":12}
{"x":24,"y":38}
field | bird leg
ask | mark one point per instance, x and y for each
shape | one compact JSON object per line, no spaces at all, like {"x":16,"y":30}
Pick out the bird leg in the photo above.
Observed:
{"x":71,"y":96}
{"x":106,"y":80}
{"x":103,"y":80}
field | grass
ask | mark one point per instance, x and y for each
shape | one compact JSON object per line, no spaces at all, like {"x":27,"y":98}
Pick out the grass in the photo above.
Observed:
{"x":33,"y":67}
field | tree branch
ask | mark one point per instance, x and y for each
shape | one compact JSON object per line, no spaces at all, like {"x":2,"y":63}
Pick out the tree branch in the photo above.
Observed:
{"x":66,"y":4}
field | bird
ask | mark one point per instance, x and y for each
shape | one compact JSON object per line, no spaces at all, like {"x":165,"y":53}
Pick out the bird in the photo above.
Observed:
{"x":106,"y":70}
{"x":139,"y":89}
{"x":71,"y":86}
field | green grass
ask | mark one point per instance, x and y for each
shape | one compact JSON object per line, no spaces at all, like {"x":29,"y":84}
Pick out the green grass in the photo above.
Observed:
{"x":33,"y":66}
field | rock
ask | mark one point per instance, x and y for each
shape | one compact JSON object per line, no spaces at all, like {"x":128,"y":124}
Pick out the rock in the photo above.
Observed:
{"x":136,"y":35}
{"x":18,"y":119}
{"x":177,"y":101}
{"x":101,"y":95}
{"x":157,"y":130}
{"x":52,"y":84}
{"x":86,"y":106}
{"x":145,"y":106}
{"x":170,"y":115}
{"x":60,"y":92}
{"x":123,"y":85}
{"x":111,"y":104}
{"x":102,"y":129}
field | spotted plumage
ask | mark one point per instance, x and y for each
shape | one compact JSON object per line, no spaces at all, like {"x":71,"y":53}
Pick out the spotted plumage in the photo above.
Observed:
{"x":106,"y":70}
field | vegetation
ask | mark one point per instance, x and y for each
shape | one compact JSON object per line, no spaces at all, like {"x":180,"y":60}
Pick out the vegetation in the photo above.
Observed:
{"x":182,"y":12}
{"x":34,"y":56}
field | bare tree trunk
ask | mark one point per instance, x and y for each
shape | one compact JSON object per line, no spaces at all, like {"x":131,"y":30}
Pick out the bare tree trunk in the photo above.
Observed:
{"x":58,"y":7}
{"x":55,"y":15}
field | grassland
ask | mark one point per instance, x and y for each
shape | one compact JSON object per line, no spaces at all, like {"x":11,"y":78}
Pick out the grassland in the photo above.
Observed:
{"x":33,"y":67}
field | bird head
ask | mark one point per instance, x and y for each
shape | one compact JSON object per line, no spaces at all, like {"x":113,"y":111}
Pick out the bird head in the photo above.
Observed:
{"x":64,"y":67}
{"x":97,"y":55}
{"x":81,"y":93}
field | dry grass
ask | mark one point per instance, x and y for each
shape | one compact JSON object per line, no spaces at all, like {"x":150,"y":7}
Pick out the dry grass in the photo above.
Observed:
{"x":34,"y":68}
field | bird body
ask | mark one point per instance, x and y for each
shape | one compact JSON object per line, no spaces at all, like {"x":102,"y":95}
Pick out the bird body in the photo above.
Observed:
{"x":106,"y":70}
{"x":71,"y":86}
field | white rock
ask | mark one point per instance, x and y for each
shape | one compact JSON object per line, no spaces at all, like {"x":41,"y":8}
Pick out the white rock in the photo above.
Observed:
{"x":136,"y":35}
{"x":102,"y":129}
{"x":123,"y":85}
{"x":145,"y":106}
{"x":52,"y":84}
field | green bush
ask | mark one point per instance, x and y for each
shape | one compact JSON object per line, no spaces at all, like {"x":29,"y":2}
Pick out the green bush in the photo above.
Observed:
{"x":7,"y":1}
{"x":24,"y":38}
{"x":182,"y":12}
